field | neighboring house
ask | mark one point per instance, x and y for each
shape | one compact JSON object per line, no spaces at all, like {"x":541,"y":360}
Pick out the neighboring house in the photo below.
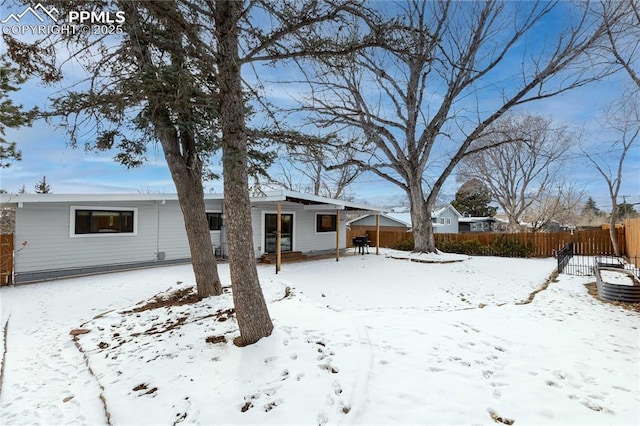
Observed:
{"x":476,"y":224}
{"x":445,"y":220}
{"x":71,"y":234}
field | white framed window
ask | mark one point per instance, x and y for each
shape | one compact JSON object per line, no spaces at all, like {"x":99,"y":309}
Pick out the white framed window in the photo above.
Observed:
{"x":326,"y":222}
{"x":102,"y":221}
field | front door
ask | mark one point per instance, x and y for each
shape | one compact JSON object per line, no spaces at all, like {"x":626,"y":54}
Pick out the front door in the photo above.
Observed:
{"x":286,"y":233}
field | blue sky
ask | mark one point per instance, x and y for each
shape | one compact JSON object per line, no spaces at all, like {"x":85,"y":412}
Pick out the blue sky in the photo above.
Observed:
{"x":45,"y":153}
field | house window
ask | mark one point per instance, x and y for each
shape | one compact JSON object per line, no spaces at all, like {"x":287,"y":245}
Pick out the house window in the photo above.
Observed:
{"x":215,"y":221}
{"x":326,"y":223}
{"x":448,"y":221}
{"x":103,"y":221}
{"x":442,"y":221}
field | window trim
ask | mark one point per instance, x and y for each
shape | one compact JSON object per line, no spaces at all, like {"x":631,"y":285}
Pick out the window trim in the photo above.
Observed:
{"x":208,"y":212}
{"x":325,"y":232}
{"x":72,"y":222}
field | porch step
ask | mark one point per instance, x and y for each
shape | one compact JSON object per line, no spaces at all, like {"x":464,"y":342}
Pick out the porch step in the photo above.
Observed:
{"x":290,"y":256}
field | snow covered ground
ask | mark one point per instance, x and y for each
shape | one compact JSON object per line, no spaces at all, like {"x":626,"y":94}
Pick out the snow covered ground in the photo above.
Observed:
{"x":367,"y":340}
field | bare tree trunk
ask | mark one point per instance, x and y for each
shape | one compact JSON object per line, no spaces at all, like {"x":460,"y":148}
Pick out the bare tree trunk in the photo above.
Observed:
{"x":318,"y":177}
{"x":421,"y":224}
{"x":251,"y":309}
{"x":613,"y":234}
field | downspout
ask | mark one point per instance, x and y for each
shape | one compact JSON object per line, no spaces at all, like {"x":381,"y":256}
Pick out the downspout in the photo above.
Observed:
{"x":278,"y":236}
{"x":223,"y":235}
{"x":157,"y":230}
{"x":337,"y":235}
{"x":377,"y":234}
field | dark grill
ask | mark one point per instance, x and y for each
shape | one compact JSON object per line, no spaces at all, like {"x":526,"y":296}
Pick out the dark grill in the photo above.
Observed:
{"x":361,"y":243}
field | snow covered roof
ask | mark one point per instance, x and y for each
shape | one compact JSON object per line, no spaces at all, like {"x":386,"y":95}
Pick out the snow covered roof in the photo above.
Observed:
{"x":438,"y":213}
{"x":404,"y":217}
{"x":272,"y":196}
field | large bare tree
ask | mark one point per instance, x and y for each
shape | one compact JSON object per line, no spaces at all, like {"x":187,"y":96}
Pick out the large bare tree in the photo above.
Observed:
{"x":296,"y":30}
{"x":623,"y":35}
{"x":522,"y":174}
{"x":440,"y":75}
{"x":557,"y":209}
{"x":623,"y":121}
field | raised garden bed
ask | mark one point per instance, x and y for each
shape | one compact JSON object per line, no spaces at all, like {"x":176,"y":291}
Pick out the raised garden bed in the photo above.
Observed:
{"x":609,"y":262}
{"x":615,"y":284}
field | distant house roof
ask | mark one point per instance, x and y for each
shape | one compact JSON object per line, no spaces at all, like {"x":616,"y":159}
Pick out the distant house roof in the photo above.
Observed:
{"x":441,"y":210}
{"x":404,"y":218}
{"x":475,"y":219}
{"x":389,"y":216}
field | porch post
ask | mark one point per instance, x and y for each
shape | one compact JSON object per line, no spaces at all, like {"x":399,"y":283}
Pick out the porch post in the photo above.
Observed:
{"x":377,"y":234}
{"x":278,"y":237}
{"x":337,"y":235}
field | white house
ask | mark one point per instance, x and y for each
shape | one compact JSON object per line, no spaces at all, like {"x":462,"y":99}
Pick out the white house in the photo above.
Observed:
{"x":60,"y":235}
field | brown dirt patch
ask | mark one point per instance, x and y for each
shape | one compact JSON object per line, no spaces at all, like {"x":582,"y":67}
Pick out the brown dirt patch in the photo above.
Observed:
{"x":592,"y":289}
{"x":499,"y":419}
{"x":553,"y":278}
{"x":216,"y":339}
{"x":183,"y":296}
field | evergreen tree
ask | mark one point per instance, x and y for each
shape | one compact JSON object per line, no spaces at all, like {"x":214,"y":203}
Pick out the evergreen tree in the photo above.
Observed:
{"x":590,"y":208}
{"x":11,"y":115}
{"x":43,"y":187}
{"x":473,"y":198}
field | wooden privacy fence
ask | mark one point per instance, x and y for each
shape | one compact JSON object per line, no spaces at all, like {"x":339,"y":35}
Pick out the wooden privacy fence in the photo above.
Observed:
{"x":632,"y":240}
{"x":6,"y":259}
{"x":544,"y":244}
{"x":387,"y":238}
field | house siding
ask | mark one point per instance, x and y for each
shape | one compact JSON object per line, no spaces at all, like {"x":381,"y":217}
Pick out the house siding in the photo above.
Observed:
{"x":160,"y":229}
{"x":52,"y":247}
{"x":47,"y":247}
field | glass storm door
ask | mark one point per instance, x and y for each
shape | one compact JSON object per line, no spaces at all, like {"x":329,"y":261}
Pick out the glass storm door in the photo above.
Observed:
{"x":286,"y":235}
